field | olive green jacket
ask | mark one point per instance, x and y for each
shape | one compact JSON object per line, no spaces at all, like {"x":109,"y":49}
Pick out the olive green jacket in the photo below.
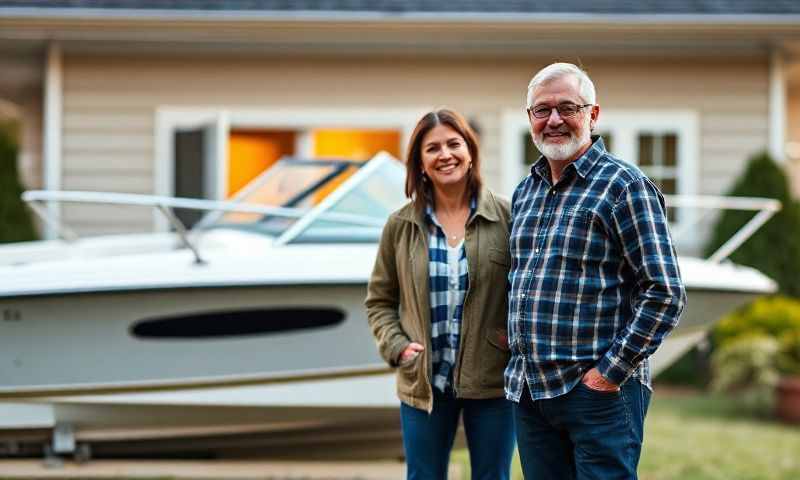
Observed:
{"x":398,"y":302}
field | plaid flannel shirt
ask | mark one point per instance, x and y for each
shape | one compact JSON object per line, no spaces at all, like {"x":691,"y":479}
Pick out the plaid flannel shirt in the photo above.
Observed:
{"x":445,"y":330}
{"x":594,"y":275}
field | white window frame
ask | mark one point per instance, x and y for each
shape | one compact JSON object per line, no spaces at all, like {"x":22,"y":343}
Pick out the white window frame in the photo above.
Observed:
{"x":223,"y":120}
{"x":624,"y":126}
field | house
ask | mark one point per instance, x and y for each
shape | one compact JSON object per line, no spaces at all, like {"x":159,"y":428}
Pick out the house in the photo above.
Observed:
{"x":194,"y":98}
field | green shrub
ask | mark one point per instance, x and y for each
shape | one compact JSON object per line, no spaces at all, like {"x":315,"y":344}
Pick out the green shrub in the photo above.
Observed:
{"x":747,"y":365}
{"x":15,"y":219}
{"x":774,"y":249}
{"x":745,"y":362}
{"x":754,"y":347}
{"x":767,"y":316}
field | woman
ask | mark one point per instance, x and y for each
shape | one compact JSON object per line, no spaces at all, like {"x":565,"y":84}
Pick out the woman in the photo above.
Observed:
{"x":437,"y":304}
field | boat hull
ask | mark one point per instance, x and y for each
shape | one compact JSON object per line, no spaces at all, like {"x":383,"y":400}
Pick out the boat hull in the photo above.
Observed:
{"x":322,"y":391}
{"x":89,"y":343}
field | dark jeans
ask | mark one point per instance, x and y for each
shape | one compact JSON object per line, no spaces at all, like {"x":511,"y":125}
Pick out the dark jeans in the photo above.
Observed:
{"x":428,"y":439}
{"x":583,"y":434}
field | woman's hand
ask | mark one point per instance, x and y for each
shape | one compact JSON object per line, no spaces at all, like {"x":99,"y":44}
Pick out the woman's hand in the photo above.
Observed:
{"x":411,"y":352}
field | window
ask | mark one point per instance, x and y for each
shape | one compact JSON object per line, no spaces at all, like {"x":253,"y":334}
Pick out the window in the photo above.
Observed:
{"x":658,"y":159}
{"x":231,"y":147}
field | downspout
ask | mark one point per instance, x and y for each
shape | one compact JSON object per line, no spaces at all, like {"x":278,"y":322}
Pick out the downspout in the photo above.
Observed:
{"x":777,"y":106}
{"x":53,"y":91}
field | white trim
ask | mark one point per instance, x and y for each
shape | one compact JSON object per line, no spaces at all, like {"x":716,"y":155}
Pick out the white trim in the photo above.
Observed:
{"x":53,"y":111}
{"x":304,"y":144}
{"x":303,"y":118}
{"x":217,"y":156}
{"x":225,"y":119}
{"x":371,"y":16}
{"x":777,"y":106}
{"x":512,"y":150}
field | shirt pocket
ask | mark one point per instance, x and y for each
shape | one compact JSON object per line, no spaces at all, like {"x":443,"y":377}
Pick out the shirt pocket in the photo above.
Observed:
{"x":572,"y":236}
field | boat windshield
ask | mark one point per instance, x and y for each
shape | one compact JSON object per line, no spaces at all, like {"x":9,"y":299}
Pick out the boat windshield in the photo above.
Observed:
{"x":292,"y":184}
{"x":357,"y":211}
{"x":321,"y":201}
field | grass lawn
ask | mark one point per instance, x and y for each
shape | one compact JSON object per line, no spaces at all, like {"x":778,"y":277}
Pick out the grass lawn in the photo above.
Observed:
{"x":698,"y":436}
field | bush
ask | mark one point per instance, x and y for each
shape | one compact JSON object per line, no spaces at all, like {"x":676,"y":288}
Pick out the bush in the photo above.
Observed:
{"x":747,"y":365}
{"x":15,"y":220}
{"x":764,"y":178}
{"x":746,"y":362}
{"x":767,"y":316}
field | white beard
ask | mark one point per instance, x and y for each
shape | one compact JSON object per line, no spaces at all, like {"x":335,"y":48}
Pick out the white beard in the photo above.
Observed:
{"x":560,"y":152}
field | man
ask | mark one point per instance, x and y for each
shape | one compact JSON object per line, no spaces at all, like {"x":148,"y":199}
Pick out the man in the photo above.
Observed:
{"x":595,"y":288}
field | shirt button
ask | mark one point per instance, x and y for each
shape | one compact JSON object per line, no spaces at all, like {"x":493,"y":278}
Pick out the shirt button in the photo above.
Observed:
{"x":537,"y":250}
{"x":554,"y":192}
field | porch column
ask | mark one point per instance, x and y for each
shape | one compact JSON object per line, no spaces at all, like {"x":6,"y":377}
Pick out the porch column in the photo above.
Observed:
{"x":777,"y":106}
{"x":53,"y":90}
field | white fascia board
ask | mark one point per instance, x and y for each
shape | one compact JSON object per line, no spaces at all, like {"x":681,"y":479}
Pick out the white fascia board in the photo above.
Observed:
{"x":171,"y":15}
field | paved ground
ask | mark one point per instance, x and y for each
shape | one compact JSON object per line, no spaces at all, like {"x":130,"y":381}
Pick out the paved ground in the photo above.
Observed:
{"x":191,"y":470}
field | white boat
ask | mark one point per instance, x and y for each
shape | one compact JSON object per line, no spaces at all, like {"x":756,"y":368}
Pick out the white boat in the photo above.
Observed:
{"x":246,"y":334}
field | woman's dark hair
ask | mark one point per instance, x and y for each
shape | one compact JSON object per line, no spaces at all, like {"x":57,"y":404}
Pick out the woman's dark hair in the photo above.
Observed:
{"x":419,"y":190}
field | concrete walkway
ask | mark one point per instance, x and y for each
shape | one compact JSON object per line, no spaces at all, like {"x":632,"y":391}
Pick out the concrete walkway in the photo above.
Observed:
{"x":216,"y":469}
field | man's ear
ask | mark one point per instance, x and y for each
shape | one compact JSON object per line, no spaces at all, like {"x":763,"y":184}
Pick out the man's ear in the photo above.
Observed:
{"x":594,"y":115}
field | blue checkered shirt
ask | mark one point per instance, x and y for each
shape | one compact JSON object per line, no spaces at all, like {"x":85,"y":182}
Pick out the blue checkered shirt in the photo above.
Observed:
{"x":445,"y":329}
{"x":594,"y":275}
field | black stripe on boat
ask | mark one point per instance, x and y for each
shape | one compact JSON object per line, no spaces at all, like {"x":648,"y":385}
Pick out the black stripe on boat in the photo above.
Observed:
{"x":263,"y":321}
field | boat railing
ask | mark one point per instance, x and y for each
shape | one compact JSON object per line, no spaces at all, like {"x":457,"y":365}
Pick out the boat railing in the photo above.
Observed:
{"x":37,"y":198}
{"x":766,"y":208}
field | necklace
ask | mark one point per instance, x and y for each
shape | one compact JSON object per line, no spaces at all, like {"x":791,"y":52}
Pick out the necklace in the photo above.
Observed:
{"x":455,"y":220}
{"x":450,"y":235}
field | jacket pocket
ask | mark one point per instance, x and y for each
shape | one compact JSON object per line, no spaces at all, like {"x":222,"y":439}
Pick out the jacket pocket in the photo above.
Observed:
{"x":498,"y":337}
{"x":500,"y":257}
{"x":410,"y":375}
{"x":495,"y":358}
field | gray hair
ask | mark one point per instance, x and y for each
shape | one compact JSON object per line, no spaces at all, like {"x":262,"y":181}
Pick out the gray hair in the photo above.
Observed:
{"x":557,"y":70}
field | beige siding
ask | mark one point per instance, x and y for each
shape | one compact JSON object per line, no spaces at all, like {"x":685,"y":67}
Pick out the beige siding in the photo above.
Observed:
{"x":793,"y":125}
{"x":110,"y":103}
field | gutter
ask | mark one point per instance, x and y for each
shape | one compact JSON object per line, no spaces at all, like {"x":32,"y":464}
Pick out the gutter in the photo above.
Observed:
{"x":34,"y":13}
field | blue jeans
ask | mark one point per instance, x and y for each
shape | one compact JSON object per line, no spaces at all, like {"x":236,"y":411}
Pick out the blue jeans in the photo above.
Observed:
{"x":428,"y":439}
{"x":584,"y":434}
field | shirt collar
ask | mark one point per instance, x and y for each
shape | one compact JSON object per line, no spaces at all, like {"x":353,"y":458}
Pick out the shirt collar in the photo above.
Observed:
{"x":583,"y":165}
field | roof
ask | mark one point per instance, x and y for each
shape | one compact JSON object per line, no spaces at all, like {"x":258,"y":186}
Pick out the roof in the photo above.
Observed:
{"x":596,"y":7}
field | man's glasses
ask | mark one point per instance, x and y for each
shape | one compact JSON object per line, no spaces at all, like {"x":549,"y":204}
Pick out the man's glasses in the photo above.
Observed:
{"x":565,"y":110}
